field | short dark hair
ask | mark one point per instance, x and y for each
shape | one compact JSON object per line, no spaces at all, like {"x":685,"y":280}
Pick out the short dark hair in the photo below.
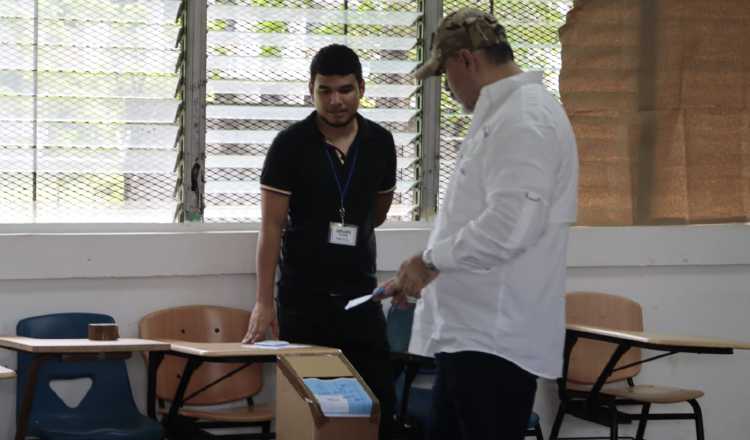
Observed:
{"x":499,"y":53}
{"x":336,"y":59}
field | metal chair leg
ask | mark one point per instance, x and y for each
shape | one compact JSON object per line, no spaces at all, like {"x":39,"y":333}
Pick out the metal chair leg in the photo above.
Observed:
{"x":643,"y":421}
{"x":698,"y":419}
{"x":614,"y":428}
{"x":558,"y":422}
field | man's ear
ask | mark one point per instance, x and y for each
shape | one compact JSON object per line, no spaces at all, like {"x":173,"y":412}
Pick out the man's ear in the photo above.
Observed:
{"x":361,"y":88}
{"x":311,"y":87}
{"x":463,"y":56}
{"x":469,"y":59}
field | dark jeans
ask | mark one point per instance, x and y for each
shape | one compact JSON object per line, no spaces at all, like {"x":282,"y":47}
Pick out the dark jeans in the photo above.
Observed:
{"x":360,"y":333}
{"x":479,"y":396}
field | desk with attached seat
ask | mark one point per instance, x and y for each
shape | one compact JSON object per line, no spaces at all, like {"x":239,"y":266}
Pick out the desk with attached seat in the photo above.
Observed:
{"x":43,"y":350}
{"x":196,"y":353}
{"x":623,"y":341}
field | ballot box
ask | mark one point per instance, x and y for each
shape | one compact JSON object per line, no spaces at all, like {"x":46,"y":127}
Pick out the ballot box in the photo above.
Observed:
{"x":322,"y":397}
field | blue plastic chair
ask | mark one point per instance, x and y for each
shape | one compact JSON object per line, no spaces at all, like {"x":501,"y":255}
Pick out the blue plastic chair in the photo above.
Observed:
{"x":107,"y":411}
{"x":415,"y":403}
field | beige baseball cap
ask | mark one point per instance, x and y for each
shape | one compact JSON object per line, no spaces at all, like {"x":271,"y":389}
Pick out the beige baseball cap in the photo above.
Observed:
{"x":467,"y":28}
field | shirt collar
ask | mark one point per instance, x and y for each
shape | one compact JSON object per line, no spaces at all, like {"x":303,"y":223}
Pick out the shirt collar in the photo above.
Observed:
{"x":363,"y":129}
{"x":494,"y":95}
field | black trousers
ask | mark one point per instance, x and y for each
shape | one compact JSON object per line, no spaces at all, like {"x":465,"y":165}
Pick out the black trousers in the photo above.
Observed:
{"x":479,"y":396}
{"x":360,"y":333}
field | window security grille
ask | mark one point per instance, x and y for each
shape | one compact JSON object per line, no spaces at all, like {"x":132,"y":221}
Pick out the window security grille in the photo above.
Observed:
{"x":532,"y":27}
{"x":87,"y":97}
{"x":87,"y":110}
{"x":259,"y":53}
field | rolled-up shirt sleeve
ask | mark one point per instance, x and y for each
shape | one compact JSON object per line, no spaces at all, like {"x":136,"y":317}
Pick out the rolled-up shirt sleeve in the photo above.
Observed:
{"x":519,"y":166}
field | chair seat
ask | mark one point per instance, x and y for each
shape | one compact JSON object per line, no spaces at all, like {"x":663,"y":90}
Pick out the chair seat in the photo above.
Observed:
{"x":84,"y":428}
{"x":644,"y":393}
{"x":533,"y":420}
{"x":253,"y":414}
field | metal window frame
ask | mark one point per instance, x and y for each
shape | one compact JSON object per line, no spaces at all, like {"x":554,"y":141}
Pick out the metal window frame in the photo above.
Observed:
{"x":429,"y":182}
{"x":193,"y":158}
{"x":35,"y":142}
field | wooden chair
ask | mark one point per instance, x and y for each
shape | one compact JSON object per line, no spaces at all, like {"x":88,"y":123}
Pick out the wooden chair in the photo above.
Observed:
{"x":203,"y":323}
{"x":587,"y":359}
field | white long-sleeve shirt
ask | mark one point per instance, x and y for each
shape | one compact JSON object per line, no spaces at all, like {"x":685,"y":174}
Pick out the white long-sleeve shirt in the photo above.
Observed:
{"x":500,"y":237}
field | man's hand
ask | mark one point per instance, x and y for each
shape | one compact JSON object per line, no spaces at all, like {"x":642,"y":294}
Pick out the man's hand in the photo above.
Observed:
{"x":412,"y":277}
{"x":262,"y":318}
{"x":391,"y":290}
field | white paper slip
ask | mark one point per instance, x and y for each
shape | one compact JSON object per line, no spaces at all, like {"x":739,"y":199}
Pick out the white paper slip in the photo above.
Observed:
{"x":273,"y":345}
{"x":357,"y":301}
{"x":363,"y":299}
{"x":333,"y":404}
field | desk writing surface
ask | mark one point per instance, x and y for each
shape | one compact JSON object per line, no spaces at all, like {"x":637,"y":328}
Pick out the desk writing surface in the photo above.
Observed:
{"x":224,"y":349}
{"x":35,"y":345}
{"x":6,"y":373}
{"x":661,"y":339}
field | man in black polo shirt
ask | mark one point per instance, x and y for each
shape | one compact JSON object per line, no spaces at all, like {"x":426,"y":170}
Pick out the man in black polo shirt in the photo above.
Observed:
{"x":327,"y":182}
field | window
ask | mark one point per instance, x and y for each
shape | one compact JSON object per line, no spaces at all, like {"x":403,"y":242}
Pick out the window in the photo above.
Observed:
{"x":532,"y":28}
{"x":87,"y":110}
{"x":93,"y":97}
{"x":259,"y":53}
{"x":88,"y":104}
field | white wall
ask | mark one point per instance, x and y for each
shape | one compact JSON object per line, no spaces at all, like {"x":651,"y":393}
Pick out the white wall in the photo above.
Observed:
{"x":690,"y":280}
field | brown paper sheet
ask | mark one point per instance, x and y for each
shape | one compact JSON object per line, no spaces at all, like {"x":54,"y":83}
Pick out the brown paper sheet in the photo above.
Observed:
{"x":658,"y":92}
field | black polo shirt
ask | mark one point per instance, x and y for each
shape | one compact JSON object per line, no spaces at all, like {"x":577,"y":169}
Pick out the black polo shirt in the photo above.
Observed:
{"x":299,"y":164}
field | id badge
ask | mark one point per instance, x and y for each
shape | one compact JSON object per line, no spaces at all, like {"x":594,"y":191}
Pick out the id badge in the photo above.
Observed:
{"x":344,"y":235}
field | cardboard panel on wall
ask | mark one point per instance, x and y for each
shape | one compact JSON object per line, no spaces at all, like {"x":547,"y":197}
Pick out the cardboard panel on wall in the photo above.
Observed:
{"x":658,"y":93}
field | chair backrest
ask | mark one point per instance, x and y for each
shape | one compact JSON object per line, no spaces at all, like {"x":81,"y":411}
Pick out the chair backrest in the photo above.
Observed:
{"x":109,"y":377}
{"x":202,"y":323}
{"x":588,"y":357}
{"x":398,"y":327}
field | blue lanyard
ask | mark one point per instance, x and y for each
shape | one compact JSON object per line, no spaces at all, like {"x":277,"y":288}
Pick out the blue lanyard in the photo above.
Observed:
{"x":345,"y":189}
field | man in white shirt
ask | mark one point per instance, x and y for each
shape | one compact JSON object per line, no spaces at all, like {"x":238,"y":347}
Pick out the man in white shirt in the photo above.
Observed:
{"x":492,"y":278}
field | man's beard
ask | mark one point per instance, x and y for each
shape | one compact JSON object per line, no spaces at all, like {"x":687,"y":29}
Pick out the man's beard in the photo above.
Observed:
{"x":337,"y":124}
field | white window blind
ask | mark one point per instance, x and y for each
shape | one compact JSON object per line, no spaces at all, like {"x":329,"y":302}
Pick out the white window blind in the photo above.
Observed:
{"x":87,"y":110}
{"x":259,"y":52}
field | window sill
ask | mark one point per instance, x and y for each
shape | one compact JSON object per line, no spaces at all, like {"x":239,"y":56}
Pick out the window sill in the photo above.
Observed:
{"x":129,"y":250}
